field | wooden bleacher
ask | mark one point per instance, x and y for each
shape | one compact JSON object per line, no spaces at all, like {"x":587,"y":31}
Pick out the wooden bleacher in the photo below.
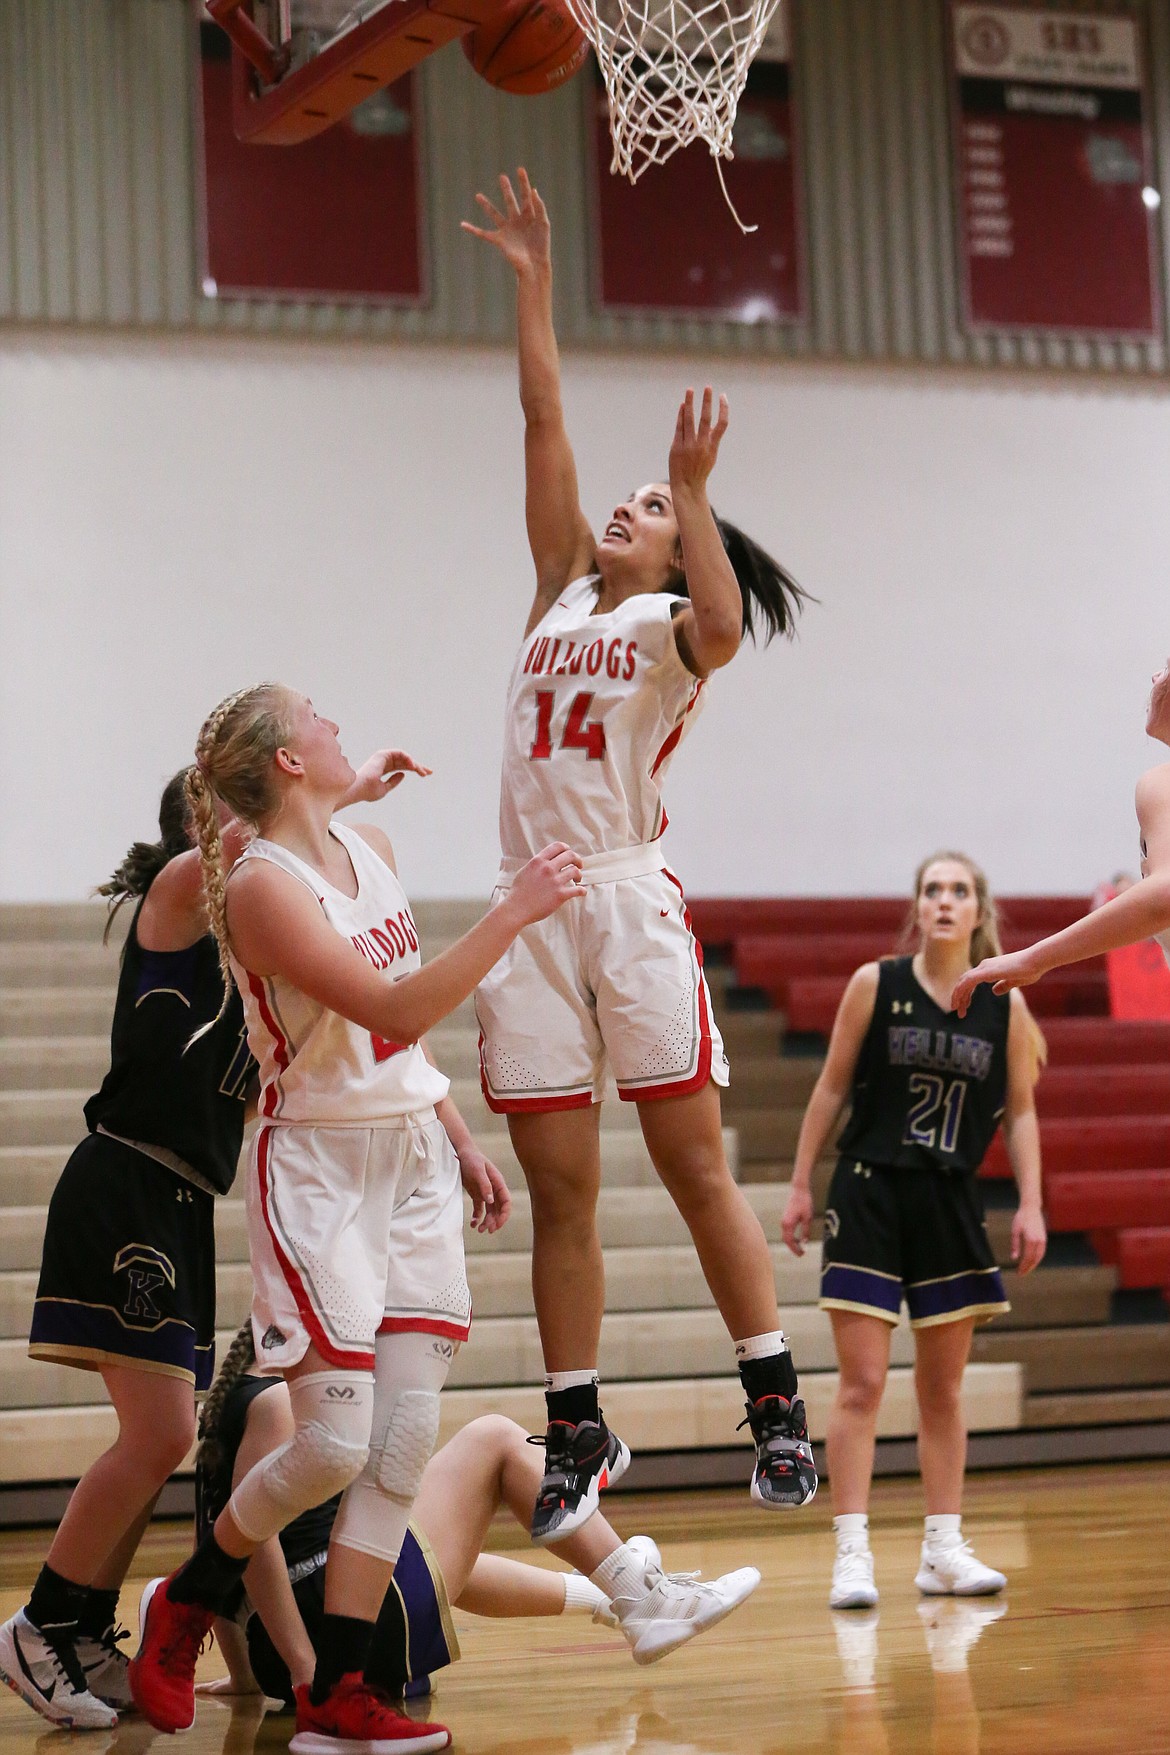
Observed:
{"x":669,"y":1388}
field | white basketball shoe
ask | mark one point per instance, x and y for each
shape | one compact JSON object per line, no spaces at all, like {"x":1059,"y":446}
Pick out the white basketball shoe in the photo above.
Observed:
{"x":948,"y":1568}
{"x":853,"y":1586}
{"x":49,"y":1677}
{"x":675,"y":1605}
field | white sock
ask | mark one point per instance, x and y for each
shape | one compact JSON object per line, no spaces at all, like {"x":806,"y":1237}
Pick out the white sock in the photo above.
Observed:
{"x":621,"y":1574}
{"x":761,"y":1346}
{"x":582,"y":1596}
{"x":943,"y":1528}
{"x":853,"y":1527}
{"x":555,"y":1380}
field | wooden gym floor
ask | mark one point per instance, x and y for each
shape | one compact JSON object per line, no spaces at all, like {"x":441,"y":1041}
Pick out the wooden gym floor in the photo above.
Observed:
{"x":1078,"y":1663}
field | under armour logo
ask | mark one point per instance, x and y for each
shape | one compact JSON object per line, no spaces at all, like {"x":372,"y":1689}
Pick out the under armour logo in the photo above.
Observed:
{"x":902,"y":1005}
{"x":272,"y":1338}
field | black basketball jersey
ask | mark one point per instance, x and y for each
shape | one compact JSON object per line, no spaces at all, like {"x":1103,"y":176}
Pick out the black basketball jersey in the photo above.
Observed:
{"x":929,"y":1088}
{"x":187,"y":1101}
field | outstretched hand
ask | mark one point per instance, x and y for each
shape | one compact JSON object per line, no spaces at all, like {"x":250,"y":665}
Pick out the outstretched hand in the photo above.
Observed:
{"x":696,"y":446}
{"x":1016,"y":969}
{"x":521,"y":232}
{"x":381,"y":773}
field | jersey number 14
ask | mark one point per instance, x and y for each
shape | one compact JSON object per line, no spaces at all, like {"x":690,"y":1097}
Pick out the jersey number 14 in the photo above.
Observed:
{"x":578,"y":734}
{"x":935,"y":1117}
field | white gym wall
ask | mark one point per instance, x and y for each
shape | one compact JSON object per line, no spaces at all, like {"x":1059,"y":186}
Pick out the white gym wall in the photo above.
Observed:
{"x":180,"y":516}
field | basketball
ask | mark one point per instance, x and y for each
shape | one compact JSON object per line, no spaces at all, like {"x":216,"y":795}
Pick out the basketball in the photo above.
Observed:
{"x":528,"y":47}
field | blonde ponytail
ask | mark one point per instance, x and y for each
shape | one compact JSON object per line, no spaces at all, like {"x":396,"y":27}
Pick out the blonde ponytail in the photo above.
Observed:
{"x":239,"y":1358}
{"x":234,"y":762}
{"x":985,"y":940}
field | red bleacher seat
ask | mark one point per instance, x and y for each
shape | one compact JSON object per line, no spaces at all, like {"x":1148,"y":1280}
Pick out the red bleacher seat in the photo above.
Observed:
{"x":1105,"y":1090}
{"x":1140,"y":1253}
{"x":779,"y":965}
{"x":1099,"y":1144}
{"x":721,"y":920}
{"x":1091,"y":1200}
{"x":1104,"y":1041}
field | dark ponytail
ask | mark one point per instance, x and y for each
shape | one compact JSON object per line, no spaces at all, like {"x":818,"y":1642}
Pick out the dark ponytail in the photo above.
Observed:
{"x":146,"y":859}
{"x":770,"y":594}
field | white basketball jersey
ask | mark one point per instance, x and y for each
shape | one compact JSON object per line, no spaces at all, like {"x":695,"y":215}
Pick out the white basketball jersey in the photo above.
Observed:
{"x":597,"y":706}
{"x":316,"y":1068}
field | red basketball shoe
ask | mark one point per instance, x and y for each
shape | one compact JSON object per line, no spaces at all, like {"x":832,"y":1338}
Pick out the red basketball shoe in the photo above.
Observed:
{"x":356,"y":1719}
{"x":162,"y":1675}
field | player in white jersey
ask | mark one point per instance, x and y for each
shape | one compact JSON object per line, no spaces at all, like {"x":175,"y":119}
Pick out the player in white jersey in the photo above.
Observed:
{"x":1142,"y":911}
{"x":354,"y":1201}
{"x":621,"y":638}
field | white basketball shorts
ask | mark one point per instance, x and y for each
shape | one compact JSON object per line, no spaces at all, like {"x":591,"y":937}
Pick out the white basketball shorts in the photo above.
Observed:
{"x":354,"y":1231}
{"x":615,"y":976}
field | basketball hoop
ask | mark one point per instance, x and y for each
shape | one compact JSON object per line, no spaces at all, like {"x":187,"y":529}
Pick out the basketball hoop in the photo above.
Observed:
{"x":674,"y":72}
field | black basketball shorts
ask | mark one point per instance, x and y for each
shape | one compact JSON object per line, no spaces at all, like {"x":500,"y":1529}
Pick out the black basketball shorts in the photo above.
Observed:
{"x":915,"y":1234}
{"x":127,"y":1268}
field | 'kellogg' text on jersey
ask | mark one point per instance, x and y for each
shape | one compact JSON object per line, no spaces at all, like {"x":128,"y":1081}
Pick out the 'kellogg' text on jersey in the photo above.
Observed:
{"x":927,"y":1095}
{"x":597,"y":706}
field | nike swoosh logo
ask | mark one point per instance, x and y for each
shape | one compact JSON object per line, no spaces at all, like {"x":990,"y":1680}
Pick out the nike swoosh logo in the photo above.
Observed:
{"x":45,"y":1693}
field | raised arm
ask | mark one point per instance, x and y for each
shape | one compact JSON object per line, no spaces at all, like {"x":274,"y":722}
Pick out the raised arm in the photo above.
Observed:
{"x":558,"y":531}
{"x":174,"y":914}
{"x":277,"y":928}
{"x":709,"y":630}
{"x":1137,"y":913}
{"x":829,"y":1096}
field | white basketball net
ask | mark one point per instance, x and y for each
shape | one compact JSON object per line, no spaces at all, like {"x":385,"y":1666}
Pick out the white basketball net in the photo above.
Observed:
{"x":674,"y":71}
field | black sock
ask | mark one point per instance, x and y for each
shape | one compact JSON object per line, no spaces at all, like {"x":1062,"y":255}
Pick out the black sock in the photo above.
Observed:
{"x":208,"y":1576}
{"x":343,"y":1645}
{"x":56,"y":1603}
{"x":98,"y":1613}
{"x":573,"y":1405}
{"x":775,"y":1375}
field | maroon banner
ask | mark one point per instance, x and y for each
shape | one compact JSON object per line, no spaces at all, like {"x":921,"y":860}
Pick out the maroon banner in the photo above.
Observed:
{"x":337,"y":217}
{"x":1056,"y":195}
{"x":669,"y":243}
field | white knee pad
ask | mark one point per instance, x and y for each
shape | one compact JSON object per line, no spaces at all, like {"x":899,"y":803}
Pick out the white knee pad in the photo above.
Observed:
{"x":329,"y":1449}
{"x":410,"y":1371}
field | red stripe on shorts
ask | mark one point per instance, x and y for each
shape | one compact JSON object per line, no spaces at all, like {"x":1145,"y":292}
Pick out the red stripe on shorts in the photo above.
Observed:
{"x":424,"y":1325}
{"x":345,"y":1360}
{"x":682,"y":1087}
{"x":526,"y":1105}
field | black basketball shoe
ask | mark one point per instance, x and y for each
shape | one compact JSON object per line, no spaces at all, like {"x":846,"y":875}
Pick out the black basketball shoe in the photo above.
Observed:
{"x":784,"y":1473}
{"x":579,"y":1461}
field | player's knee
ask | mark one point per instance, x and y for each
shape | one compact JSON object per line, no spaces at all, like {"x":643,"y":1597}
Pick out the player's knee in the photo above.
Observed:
{"x":696,"y":1175}
{"x":159,"y":1454}
{"x":329,"y":1449}
{"x":938,"y":1399}
{"x":375,"y":1510}
{"x":860,"y":1389}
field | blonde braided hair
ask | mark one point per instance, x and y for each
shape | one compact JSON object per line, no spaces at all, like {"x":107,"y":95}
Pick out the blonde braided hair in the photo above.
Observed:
{"x":240,"y":1356}
{"x":233,"y":761}
{"x":985,"y":940}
